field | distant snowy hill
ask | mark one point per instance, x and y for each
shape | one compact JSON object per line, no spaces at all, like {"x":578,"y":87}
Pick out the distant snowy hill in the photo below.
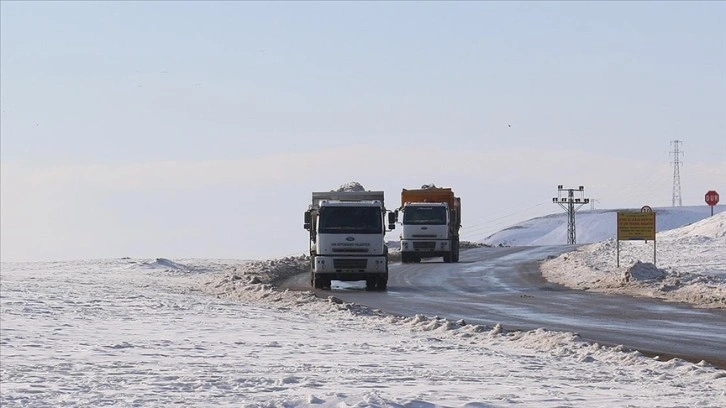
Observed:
{"x":591,"y":226}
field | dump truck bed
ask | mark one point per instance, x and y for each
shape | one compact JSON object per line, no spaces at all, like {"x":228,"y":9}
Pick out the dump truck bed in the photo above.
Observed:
{"x":428,"y":195}
{"x":346,"y":196}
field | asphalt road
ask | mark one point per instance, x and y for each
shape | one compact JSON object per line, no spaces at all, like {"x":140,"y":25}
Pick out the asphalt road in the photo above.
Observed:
{"x":504,"y":285}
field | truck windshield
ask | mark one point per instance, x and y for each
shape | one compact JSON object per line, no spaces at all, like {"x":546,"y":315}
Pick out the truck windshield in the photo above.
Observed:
{"x":350,"y":220}
{"x":419,"y":215}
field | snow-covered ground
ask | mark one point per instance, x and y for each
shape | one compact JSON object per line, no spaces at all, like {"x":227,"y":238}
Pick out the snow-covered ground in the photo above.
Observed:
{"x":199,"y":333}
{"x":592,"y":226}
{"x":689,"y":264}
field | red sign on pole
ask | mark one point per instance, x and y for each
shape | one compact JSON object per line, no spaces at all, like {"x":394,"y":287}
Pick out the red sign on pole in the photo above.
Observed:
{"x":712,"y":198}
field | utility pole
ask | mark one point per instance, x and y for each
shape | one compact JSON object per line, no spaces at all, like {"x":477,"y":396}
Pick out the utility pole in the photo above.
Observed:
{"x":676,"y":172}
{"x":571,"y":201}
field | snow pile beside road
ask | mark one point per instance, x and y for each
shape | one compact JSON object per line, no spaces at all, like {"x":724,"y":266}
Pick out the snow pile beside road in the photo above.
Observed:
{"x":706,"y":230}
{"x":643,"y":272}
{"x":253,"y":280}
{"x":255,"y":283}
{"x":690,"y":265}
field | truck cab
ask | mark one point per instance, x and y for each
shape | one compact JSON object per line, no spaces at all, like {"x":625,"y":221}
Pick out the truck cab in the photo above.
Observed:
{"x":347,"y":231}
{"x":431,"y":222}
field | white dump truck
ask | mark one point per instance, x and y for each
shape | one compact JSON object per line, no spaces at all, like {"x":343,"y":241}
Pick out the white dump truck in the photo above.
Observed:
{"x":347,"y":231}
{"x":431,"y":223}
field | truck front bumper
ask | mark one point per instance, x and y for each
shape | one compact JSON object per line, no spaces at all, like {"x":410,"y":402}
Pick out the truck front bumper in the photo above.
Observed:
{"x":426,"y":246}
{"x":350,"y":266}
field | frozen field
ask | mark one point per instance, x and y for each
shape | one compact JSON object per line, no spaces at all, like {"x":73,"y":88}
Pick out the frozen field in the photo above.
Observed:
{"x":129,"y":332}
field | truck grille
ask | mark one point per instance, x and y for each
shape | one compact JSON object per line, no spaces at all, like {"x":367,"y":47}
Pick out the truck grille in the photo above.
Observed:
{"x":424,"y":245}
{"x":351,"y":250}
{"x":344,"y":263}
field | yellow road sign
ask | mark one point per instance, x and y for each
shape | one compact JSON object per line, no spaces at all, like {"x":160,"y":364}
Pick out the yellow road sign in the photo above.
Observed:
{"x":636,"y":226}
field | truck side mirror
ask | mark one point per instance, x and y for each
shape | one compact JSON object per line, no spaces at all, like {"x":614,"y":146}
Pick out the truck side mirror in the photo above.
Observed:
{"x":392,"y":218}
{"x":308,"y":220}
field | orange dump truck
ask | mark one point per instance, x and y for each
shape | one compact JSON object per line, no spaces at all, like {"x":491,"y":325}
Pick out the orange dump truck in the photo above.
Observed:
{"x":431,"y":223}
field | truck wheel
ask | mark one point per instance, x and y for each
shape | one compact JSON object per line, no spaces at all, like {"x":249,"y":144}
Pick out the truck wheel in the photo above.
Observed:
{"x":371,"y":283}
{"x":447,"y":258}
{"x":317,"y":281}
{"x":383,"y":283}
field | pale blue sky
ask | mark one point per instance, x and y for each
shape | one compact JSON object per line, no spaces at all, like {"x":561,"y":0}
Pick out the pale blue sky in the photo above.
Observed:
{"x":198,"y":129}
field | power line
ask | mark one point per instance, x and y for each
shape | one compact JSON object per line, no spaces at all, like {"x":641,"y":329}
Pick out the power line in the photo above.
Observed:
{"x":483,"y":225}
{"x":508,"y":215}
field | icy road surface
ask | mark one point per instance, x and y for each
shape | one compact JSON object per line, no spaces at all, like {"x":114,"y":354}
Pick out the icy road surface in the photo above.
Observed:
{"x":504,"y":285}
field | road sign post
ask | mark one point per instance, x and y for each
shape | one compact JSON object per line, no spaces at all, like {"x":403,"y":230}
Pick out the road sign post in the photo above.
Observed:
{"x":712,"y":199}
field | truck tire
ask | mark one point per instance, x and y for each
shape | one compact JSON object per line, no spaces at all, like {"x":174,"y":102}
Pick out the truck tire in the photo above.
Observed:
{"x":377,"y":283}
{"x":316,"y":281}
{"x":447,"y":258}
{"x":383,"y":282}
{"x":320,"y":281}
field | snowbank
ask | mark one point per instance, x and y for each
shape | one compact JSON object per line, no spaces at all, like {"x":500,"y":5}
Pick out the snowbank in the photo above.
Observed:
{"x":690,"y":265}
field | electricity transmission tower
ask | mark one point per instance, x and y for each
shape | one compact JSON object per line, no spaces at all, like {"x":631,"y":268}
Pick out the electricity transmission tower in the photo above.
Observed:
{"x":676,"y":152}
{"x":570,"y":200}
